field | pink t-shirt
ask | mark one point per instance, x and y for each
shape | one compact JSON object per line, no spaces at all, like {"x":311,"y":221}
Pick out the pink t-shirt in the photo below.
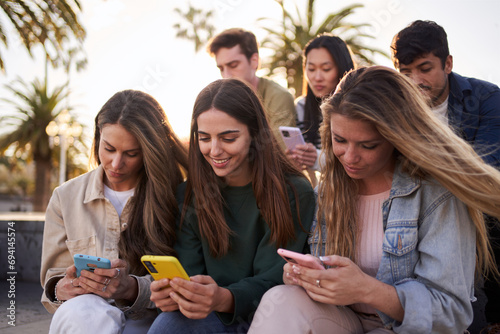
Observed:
{"x":371,"y":237}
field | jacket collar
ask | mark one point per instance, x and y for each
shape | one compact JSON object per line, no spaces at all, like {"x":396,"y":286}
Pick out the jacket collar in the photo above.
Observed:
{"x":458,"y":86}
{"x":95,"y":186}
{"x":402,"y":183}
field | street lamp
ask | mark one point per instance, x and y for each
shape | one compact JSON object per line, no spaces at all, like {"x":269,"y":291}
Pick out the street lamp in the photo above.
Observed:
{"x":66,"y":132}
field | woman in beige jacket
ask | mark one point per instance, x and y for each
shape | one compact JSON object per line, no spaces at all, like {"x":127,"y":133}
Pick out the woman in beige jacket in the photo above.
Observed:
{"x":121,"y":210}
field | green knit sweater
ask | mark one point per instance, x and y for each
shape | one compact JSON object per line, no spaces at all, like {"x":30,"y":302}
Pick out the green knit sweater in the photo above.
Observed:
{"x":252,"y":266}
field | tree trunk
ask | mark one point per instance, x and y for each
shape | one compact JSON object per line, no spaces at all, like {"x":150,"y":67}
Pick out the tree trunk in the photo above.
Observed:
{"x":297,"y":85}
{"x":41,"y":198}
{"x":295,"y":77}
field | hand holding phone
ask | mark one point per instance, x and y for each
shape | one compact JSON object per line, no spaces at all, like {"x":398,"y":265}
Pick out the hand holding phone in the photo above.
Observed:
{"x":89,"y":262}
{"x":292,"y":136}
{"x":301,"y":259}
{"x":164,"y":267}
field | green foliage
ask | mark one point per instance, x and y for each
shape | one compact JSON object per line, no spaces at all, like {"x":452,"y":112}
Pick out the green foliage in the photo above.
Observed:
{"x":53,"y":24}
{"x":35,"y":107}
{"x":16,"y":178}
{"x":199,"y":29}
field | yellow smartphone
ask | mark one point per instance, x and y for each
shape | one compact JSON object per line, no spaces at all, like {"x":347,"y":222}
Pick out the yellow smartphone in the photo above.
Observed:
{"x":162,"y":266}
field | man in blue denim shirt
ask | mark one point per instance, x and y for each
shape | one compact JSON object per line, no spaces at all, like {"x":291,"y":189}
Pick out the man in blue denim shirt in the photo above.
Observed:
{"x":470,"y":106}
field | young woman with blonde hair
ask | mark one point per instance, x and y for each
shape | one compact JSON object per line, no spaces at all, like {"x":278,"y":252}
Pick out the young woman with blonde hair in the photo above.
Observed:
{"x":400,"y":210}
{"x":121,"y":210}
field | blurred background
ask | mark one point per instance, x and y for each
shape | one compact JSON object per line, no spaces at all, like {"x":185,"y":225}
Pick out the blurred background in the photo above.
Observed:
{"x":62,"y":60}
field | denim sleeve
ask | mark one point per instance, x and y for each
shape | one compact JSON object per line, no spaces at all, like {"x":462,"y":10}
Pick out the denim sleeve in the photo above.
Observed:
{"x":437,"y":297}
{"x":316,"y":246}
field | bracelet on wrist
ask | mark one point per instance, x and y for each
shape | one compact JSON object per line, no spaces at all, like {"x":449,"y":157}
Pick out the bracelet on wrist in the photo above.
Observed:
{"x":56,"y":300}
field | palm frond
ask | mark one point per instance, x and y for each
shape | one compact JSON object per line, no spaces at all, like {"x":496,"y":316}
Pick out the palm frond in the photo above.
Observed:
{"x":335,"y":19}
{"x":199,"y":27}
{"x":49,"y":23}
{"x":289,"y":39}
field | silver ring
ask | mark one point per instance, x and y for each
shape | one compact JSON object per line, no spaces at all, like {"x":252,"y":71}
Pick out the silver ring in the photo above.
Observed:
{"x":104,"y":288}
{"x":318,"y":283}
{"x":117,"y":273}
{"x":106,"y":281}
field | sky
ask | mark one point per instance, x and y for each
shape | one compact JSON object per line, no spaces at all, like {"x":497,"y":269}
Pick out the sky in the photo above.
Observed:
{"x":132,"y":45}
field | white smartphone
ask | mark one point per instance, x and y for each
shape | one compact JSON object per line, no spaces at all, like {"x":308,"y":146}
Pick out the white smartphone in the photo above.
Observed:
{"x":292,"y":136}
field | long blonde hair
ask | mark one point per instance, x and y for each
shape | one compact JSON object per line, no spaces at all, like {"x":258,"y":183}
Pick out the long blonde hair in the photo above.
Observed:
{"x":424,"y":145}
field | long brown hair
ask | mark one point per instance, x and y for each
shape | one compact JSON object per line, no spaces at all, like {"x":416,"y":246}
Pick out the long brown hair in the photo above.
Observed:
{"x":151,"y":224}
{"x":268,"y":163}
{"x":425,"y":146}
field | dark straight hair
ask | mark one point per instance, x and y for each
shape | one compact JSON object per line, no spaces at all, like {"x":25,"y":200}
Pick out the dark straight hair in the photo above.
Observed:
{"x":342,"y":57}
{"x":418,"y":39}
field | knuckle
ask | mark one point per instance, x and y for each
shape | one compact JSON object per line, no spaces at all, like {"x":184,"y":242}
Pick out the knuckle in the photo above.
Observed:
{"x":188,"y":308}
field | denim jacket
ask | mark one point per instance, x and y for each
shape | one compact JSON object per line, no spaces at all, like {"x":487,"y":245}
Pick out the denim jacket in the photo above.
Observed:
{"x":474,"y":113}
{"x":428,"y":256}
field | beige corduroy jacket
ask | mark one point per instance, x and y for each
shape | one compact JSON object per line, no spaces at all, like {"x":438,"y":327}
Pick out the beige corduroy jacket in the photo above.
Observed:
{"x":80,"y":220}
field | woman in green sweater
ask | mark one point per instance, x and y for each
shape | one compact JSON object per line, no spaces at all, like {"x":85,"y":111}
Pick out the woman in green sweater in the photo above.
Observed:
{"x":243,"y":199}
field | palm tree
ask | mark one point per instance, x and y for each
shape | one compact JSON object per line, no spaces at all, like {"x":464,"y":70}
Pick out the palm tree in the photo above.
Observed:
{"x":35,"y":108}
{"x":50,"y":23}
{"x":295,"y":31}
{"x":288,"y":41}
{"x":199,"y":21}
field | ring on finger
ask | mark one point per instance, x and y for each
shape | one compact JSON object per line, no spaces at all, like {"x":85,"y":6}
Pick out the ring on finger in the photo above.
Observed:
{"x":75,"y":286}
{"x":318,"y":283}
{"x":104,"y":288}
{"x":106,"y":281}
{"x":117,"y":273}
